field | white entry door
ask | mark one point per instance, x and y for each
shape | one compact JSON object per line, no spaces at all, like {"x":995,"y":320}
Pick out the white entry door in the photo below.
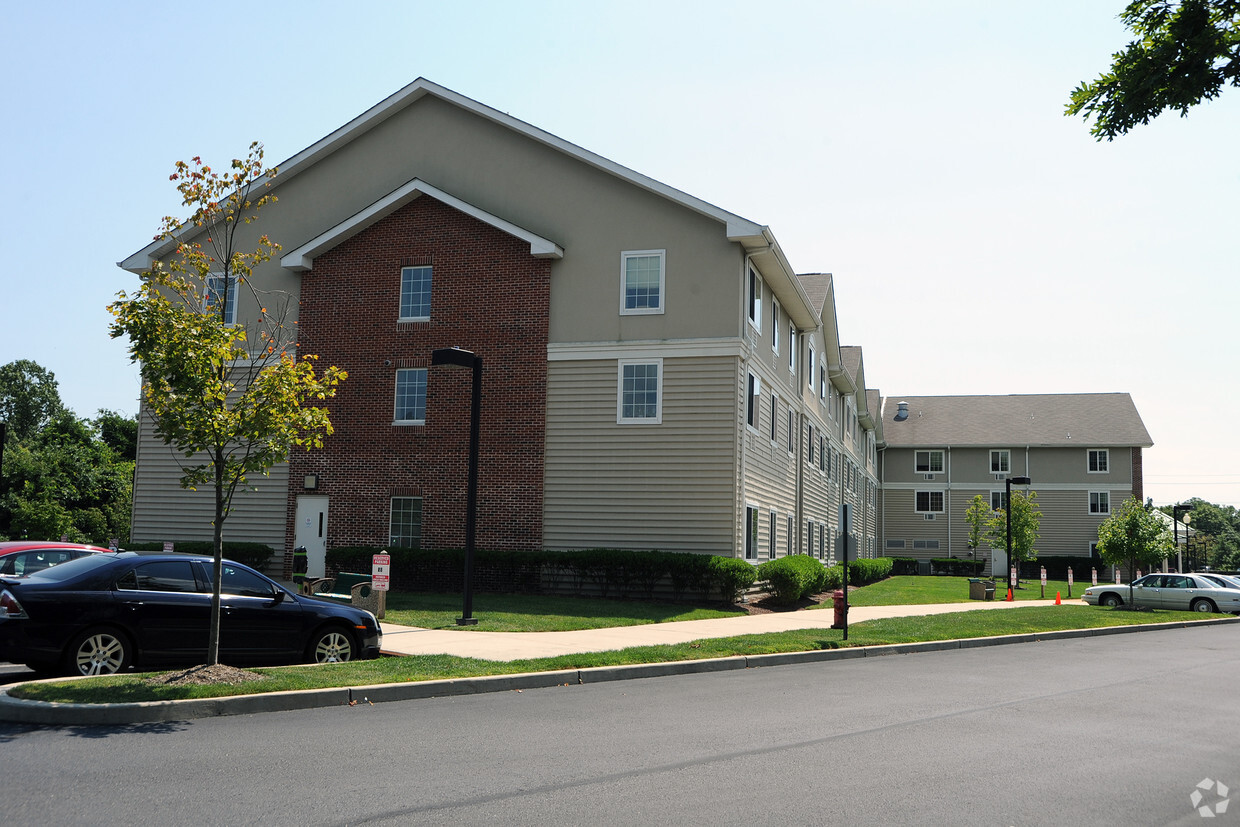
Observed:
{"x":311,"y":532}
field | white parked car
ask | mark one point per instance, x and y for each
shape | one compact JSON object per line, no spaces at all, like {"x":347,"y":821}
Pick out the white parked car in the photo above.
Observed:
{"x":1181,"y":592}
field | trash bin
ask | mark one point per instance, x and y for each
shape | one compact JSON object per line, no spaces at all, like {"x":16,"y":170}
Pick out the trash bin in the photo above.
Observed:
{"x":981,"y":589}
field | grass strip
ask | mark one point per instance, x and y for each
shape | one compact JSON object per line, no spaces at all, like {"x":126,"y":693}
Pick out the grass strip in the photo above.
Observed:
{"x":952,"y":626}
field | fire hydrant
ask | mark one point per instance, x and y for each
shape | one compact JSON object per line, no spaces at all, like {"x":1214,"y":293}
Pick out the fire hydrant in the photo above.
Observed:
{"x":840,"y":608}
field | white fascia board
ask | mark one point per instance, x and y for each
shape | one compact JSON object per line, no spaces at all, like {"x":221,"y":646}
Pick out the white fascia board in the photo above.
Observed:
{"x":661,"y":348}
{"x":302,"y":259}
{"x":773,"y":266}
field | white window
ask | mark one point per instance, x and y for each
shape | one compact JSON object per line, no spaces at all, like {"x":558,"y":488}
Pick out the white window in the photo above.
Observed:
{"x":774,"y":419}
{"x":809,"y":537}
{"x":928,"y":462}
{"x":405,"y":527}
{"x":809,"y":445}
{"x":1099,"y":461}
{"x":755,"y":299}
{"x":822,"y":454}
{"x":215,"y":291}
{"x":809,"y":367}
{"x":788,"y":539}
{"x":792,"y":349}
{"x":751,"y":532}
{"x":895,"y":544}
{"x":415,"y":294}
{"x":1000,"y":462}
{"x":792,"y":431}
{"x":642,"y":281}
{"x":998,"y":500}
{"x":640,"y":393}
{"x":770,"y":541}
{"x":822,"y":540}
{"x":410,"y":396}
{"x":929,"y":502}
{"x":775,"y":325}
{"x":822,"y":383}
{"x":751,"y":409}
{"x":1099,"y":502}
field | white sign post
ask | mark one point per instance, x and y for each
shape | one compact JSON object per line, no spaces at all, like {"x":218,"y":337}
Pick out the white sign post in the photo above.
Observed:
{"x":1044,"y":582}
{"x":1069,"y":581}
{"x":380,"y":579}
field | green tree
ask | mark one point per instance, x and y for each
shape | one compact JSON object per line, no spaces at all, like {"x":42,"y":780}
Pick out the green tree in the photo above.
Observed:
{"x":119,"y":432}
{"x":221,"y":382}
{"x":977,"y":517}
{"x":29,"y":398}
{"x":1186,"y":51}
{"x":1026,"y":520}
{"x":1133,"y":536}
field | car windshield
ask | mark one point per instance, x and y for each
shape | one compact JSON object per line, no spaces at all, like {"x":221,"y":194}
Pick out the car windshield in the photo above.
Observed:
{"x":72,"y":568}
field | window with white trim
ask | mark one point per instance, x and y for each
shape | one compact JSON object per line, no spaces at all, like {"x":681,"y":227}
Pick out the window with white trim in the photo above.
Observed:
{"x":792,"y":350}
{"x":809,"y":537}
{"x":1099,"y":460}
{"x":788,"y":539}
{"x":809,"y":368}
{"x":822,"y":383}
{"x":775,"y":325}
{"x":792,"y":431}
{"x":809,"y":444}
{"x":642,"y":276}
{"x":754,"y":400}
{"x":774,"y":419}
{"x":405,"y":524}
{"x":415,"y":294}
{"x":215,"y":291}
{"x":929,"y":502}
{"x":770,"y":541}
{"x":895,"y":544}
{"x":410,"y":396}
{"x":928,"y":545}
{"x":998,"y":500}
{"x":1099,"y":502}
{"x":1000,"y":462}
{"x":928,"y":462}
{"x":640,"y":392}
{"x":751,"y":532}
{"x":755,"y":299}
{"x":822,"y":454}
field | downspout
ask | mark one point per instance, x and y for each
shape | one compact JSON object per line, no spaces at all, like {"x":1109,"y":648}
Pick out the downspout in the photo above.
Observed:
{"x":947,"y":506}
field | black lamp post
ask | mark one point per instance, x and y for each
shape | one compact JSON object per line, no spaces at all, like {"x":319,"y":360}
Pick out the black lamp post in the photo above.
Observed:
{"x":1007,"y":512}
{"x":455,"y":357}
{"x":1177,"y":514}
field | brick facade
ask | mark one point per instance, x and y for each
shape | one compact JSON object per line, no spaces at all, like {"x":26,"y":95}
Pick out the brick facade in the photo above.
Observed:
{"x":490,"y":296}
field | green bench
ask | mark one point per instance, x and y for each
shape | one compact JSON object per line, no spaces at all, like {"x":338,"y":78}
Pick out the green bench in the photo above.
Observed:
{"x":348,"y":587}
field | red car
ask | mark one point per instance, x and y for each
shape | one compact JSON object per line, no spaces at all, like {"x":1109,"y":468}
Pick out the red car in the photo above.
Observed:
{"x":19,"y":558}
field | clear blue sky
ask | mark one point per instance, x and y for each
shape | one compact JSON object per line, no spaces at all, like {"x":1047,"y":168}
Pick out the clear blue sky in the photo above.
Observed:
{"x":981,"y":241}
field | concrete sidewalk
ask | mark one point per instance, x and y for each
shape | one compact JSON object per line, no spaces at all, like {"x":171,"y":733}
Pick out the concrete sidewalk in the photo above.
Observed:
{"x":411,"y":640}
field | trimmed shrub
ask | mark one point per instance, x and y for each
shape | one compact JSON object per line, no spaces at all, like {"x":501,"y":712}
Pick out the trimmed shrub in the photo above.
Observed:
{"x":729,"y":576}
{"x":903,"y":565}
{"x":957,"y":566}
{"x":254,"y":555}
{"x":868,"y":570}
{"x":793,"y":577}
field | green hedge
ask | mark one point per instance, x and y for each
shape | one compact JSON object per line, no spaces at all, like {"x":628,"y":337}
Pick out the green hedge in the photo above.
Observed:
{"x":607,"y":572}
{"x":957,"y":566}
{"x":254,"y":555}
{"x":903,"y":565}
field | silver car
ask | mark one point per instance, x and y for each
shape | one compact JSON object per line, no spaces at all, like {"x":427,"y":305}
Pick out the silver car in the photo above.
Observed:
{"x":1179,"y":592}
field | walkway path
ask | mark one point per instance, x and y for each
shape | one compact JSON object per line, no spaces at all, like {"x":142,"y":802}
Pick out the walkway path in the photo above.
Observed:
{"x":411,"y":640}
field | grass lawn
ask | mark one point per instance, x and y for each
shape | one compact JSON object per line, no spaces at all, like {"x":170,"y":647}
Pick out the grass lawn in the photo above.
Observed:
{"x":538,"y":613}
{"x":907,"y":590}
{"x":956,"y":625}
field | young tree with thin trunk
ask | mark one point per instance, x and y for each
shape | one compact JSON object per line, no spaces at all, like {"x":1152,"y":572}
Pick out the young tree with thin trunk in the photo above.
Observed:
{"x":1133,"y":536}
{"x":1026,"y":519}
{"x":221,"y":382}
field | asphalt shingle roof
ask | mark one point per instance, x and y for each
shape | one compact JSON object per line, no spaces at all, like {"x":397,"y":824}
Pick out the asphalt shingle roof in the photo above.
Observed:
{"x":1103,"y":419}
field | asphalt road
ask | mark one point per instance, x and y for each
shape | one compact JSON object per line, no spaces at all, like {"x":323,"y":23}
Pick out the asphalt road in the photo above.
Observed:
{"x":1103,"y":730}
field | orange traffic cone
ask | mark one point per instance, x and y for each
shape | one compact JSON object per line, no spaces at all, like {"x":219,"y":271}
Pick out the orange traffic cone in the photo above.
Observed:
{"x":1057,"y":603}
{"x":1009,"y":595}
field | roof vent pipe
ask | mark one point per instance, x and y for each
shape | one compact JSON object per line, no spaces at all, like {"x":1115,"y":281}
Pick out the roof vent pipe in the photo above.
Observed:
{"x":901,"y":411}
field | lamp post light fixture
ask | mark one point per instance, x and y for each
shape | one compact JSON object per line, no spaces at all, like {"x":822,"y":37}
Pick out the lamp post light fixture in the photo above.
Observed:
{"x":1007,"y":512}
{"x":1180,"y":513}
{"x":456,"y":357}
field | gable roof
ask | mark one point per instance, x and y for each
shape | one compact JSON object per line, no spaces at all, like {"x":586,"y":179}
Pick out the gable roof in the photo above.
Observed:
{"x":302,"y":258}
{"x":1084,"y":419}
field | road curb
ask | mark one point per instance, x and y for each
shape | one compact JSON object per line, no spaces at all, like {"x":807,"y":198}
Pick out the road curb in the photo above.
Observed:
{"x":18,"y":710}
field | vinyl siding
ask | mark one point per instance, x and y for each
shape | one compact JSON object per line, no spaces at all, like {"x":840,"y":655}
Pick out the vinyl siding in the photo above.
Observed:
{"x":164,"y":511}
{"x":670,"y":486}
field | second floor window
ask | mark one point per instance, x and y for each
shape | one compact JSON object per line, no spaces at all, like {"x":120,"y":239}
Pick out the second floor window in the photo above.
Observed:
{"x":215,"y":293}
{"x":929,"y":462}
{"x":1099,"y":461}
{"x":411,"y":396}
{"x":415,"y":293}
{"x":1000,"y":462}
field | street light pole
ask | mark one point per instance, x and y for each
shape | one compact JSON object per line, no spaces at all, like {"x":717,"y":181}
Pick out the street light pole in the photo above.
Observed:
{"x":1007,"y":512}
{"x":456,"y":357}
{"x":1177,"y":514}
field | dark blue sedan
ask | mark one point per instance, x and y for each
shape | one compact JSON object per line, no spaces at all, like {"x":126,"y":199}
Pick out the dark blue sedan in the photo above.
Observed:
{"x":104,"y":613}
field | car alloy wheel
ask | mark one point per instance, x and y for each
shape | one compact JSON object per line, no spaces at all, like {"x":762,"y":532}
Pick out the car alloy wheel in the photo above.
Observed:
{"x":333,"y":646}
{"x":99,"y":652}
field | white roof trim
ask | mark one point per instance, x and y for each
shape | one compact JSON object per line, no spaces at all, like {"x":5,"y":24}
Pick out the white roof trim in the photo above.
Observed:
{"x":302,"y":259}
